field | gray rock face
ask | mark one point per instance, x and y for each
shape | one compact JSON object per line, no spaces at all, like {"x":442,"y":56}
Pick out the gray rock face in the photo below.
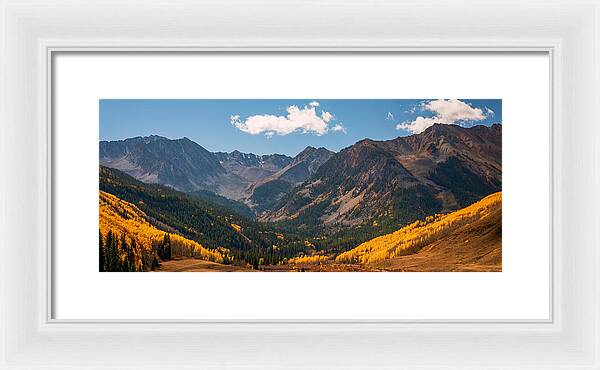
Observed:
{"x":252,"y":167}
{"x":181,"y":164}
{"x":442,"y":169}
{"x":186,"y":166}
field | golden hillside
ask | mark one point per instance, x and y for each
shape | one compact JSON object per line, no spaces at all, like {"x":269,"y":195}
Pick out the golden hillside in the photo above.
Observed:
{"x":481,"y":218}
{"x":125,"y":218}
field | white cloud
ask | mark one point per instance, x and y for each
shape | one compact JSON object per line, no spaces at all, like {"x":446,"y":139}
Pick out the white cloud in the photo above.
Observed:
{"x":489,"y":112}
{"x":451,"y":111}
{"x":305,"y":120}
{"x":419,"y":125}
{"x":338,"y":127}
{"x":390,"y":116}
{"x":326,"y":116}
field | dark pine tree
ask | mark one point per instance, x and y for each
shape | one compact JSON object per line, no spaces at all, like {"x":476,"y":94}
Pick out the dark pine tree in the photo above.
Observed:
{"x":154,"y":264}
{"x":131,"y":257}
{"x":167,"y":246}
{"x":102,"y":257}
{"x":124,"y":249}
{"x":112,"y":253}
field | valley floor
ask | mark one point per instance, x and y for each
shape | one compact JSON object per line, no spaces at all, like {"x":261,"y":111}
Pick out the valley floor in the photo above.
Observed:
{"x":327,"y":266}
{"x":475,"y":247}
{"x":196,"y":265}
{"x":416,"y":263}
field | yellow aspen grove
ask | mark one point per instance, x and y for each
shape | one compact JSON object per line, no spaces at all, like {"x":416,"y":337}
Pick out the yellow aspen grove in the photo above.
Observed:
{"x":411,"y":238}
{"x":124,"y":218}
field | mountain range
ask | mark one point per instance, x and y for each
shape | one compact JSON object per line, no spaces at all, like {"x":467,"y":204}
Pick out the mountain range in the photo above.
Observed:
{"x":371,"y":183}
{"x":181,"y":164}
{"x":257,"y":180}
{"x":442,"y":169}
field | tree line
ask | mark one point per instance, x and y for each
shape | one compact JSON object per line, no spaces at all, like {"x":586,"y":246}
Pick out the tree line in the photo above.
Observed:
{"x":118,"y":254}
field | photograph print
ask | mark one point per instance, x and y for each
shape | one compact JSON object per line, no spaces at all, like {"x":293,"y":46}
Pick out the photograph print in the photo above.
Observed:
{"x":292,"y":185}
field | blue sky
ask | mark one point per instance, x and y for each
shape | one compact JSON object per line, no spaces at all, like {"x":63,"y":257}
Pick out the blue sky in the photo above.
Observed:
{"x":287,"y":126}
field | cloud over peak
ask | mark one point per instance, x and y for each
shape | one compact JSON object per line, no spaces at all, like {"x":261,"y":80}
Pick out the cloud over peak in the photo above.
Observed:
{"x":306,"y":120}
{"x":338,"y":127}
{"x":446,"y":111}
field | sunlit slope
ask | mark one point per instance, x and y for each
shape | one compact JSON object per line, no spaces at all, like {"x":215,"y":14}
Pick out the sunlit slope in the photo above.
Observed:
{"x":471,"y":235}
{"x":125,"y":218}
{"x":190,"y":216}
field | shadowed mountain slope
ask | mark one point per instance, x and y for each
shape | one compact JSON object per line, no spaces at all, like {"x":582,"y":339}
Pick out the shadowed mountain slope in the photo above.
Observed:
{"x":442,"y":169}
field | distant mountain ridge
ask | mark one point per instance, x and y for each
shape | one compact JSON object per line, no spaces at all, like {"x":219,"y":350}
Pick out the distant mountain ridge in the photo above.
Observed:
{"x":252,"y":167}
{"x":304,"y":165}
{"x":180,"y":163}
{"x":187,"y":166}
{"x":396,"y":181}
{"x":268,"y":191}
{"x":442,"y":169}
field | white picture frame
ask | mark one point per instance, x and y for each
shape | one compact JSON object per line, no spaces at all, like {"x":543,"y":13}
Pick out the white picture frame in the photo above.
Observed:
{"x":32,"y":31}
